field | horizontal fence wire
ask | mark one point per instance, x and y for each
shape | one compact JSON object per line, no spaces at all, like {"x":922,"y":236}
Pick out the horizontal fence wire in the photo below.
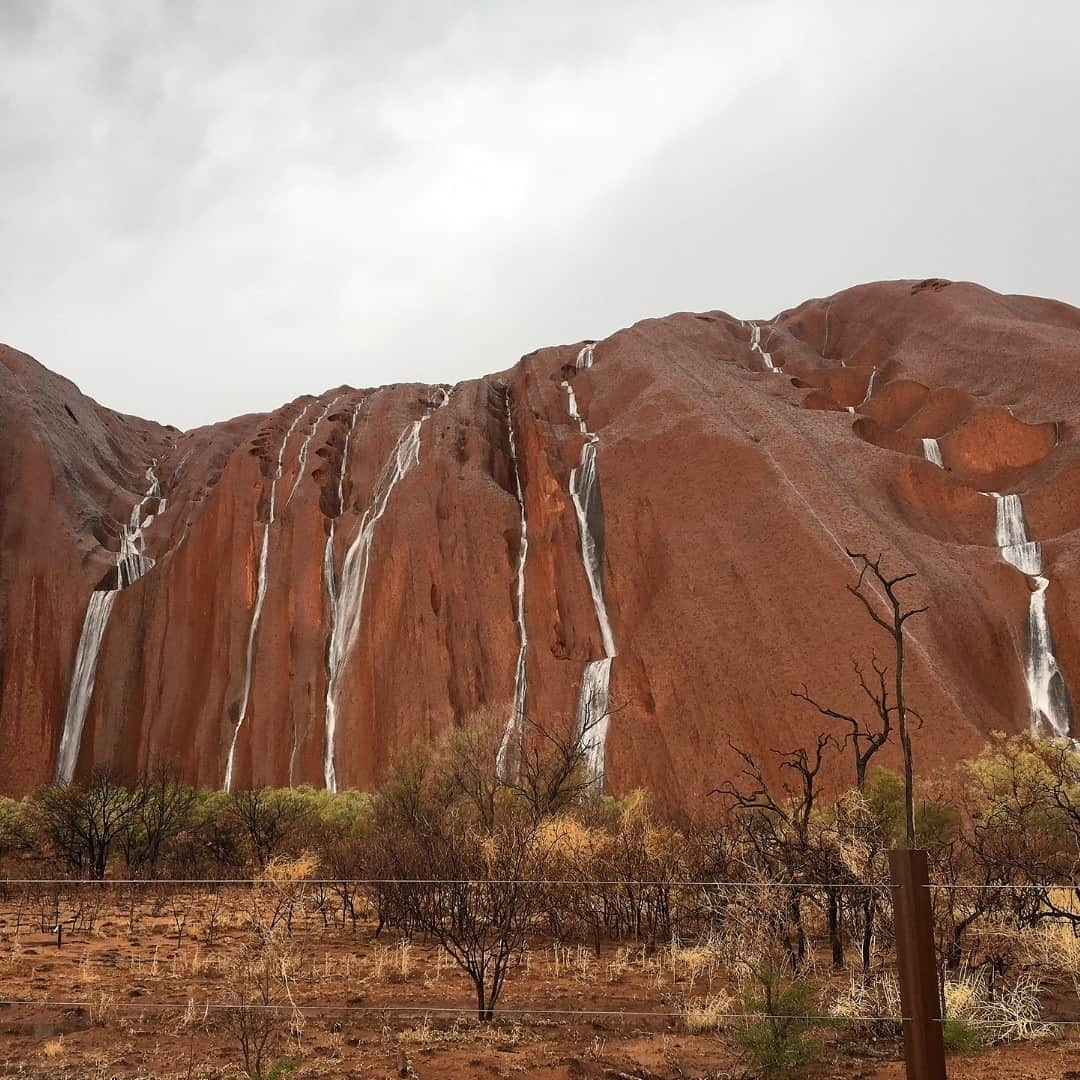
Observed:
{"x":582,"y":882}
{"x":520,"y":1011}
{"x":454,"y":881}
{"x":1063,"y":886}
{"x":466,"y":1010}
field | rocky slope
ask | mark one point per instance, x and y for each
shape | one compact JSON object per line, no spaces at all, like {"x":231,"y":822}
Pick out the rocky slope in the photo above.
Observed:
{"x":317,"y":587}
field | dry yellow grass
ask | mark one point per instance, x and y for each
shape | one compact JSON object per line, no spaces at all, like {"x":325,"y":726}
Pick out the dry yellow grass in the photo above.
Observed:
{"x":709,"y":1013}
{"x":1010,"y":1014}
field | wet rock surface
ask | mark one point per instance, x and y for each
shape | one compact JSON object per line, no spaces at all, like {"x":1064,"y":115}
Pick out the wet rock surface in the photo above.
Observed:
{"x":729,"y":492}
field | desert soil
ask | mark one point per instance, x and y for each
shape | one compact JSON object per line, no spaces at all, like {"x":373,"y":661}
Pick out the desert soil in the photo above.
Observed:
{"x":136,"y":991}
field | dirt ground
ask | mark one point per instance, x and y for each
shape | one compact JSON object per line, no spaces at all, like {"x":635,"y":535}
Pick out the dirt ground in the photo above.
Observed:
{"x":143,"y":990}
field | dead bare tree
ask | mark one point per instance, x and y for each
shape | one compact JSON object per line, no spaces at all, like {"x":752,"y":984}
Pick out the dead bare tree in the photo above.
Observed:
{"x":894,"y":627}
{"x":83,"y":823}
{"x":776,"y":823}
{"x":554,"y":770}
{"x":161,"y":813}
{"x":254,"y":1017}
{"x":867,"y":737}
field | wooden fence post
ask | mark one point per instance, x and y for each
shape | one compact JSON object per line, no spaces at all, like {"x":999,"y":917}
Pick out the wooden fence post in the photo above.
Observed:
{"x":924,"y":1035}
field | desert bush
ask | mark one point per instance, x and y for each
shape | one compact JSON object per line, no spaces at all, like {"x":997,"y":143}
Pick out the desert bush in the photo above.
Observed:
{"x":84,"y":823}
{"x":935,"y":822}
{"x":709,"y":1013}
{"x":782,"y":1041}
{"x":961,"y":1036}
{"x":280,"y":891}
{"x":257,"y":1017}
{"x":481,"y":905}
{"x":268,"y":818}
{"x":869,"y":1004}
{"x":1009,"y":1013}
{"x":475,"y":888}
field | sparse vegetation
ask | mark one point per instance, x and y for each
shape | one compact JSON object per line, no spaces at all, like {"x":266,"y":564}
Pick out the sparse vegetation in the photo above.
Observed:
{"x":783,"y":1040}
{"x":446,"y":885}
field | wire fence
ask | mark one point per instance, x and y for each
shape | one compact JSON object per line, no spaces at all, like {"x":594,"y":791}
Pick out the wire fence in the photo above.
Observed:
{"x":539,"y":1010}
{"x":561,"y":882}
{"x":600,"y":882}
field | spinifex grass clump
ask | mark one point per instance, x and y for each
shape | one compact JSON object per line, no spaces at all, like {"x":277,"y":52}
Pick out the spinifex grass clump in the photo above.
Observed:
{"x":977,"y":1015}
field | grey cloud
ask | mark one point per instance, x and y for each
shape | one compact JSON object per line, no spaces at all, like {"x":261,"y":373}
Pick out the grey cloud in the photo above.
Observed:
{"x":217,"y":207}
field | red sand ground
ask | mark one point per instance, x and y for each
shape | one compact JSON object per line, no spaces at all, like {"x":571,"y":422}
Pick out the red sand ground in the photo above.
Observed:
{"x":130,"y":961}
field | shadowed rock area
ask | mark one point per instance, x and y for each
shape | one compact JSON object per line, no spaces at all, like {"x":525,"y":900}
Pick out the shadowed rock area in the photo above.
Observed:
{"x":732,"y":479}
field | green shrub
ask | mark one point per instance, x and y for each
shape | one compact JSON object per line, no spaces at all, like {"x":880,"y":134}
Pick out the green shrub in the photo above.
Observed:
{"x":962,"y":1035}
{"x":783,"y":1040}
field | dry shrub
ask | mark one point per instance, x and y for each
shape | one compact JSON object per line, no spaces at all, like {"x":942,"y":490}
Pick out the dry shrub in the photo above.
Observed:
{"x":461,"y":1031}
{"x":709,"y":1013}
{"x":1055,"y":947}
{"x":1010,"y":1013}
{"x":259,"y":1016}
{"x":618,"y":965}
{"x":691,"y":963}
{"x":54,"y":1048}
{"x":573,"y":961}
{"x":280,"y":891}
{"x":103,"y":1009}
{"x":869,"y":1003}
{"x":390,"y":963}
{"x":748,"y":934}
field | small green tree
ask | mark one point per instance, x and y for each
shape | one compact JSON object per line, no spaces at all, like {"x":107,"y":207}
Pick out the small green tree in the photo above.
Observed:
{"x":936,"y":823}
{"x":782,"y":1041}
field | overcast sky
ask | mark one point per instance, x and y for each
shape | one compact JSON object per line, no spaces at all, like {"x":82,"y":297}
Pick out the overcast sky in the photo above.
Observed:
{"x":208,"y":208}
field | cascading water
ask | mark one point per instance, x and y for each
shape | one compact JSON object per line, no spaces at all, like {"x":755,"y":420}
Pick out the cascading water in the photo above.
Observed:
{"x":866,"y":396}
{"x":932,"y":452}
{"x":260,"y":596}
{"x":509,"y":755}
{"x":131,"y":564}
{"x":1051,"y":706}
{"x":755,"y":346}
{"x":98,"y":611}
{"x":301,"y":461}
{"x":1050,"y":699}
{"x":1012,"y":538}
{"x":594,"y":700}
{"x":329,"y":577}
{"x":328,"y":550}
{"x":347,"y":596}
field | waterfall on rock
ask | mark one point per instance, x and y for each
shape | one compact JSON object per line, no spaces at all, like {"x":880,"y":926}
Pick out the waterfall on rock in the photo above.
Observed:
{"x":508,"y":760}
{"x":594,"y":700}
{"x":932,"y":452}
{"x":260,"y":596}
{"x":347,"y":599}
{"x":301,"y":464}
{"x":755,"y":346}
{"x":329,"y":570}
{"x":1051,"y":706}
{"x":301,"y":461}
{"x":82,"y":682}
{"x":866,"y":396}
{"x":131,"y":564}
{"x":1012,"y":538}
{"x":328,"y":552}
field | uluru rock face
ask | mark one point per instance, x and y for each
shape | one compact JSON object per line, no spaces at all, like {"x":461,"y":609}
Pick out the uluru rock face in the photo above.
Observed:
{"x":305,"y":593}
